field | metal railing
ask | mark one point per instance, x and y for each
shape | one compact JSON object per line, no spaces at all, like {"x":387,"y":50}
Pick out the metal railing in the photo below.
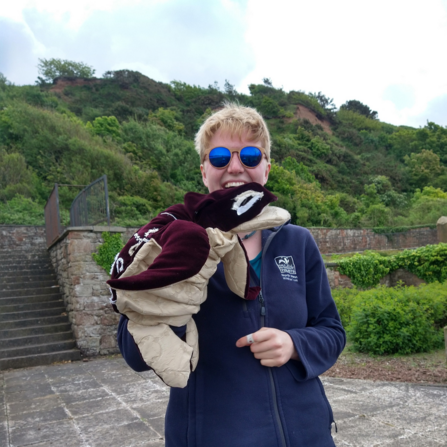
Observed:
{"x":53,"y":225}
{"x":91,"y":205}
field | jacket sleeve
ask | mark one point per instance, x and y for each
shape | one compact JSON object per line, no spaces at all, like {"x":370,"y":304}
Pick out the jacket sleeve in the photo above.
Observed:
{"x":322,"y":340}
{"x":129,"y":349}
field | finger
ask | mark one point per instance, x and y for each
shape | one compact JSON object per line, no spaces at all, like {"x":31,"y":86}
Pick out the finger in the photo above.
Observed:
{"x":265,"y":346}
{"x":259,"y":336}
{"x":247,"y":340}
{"x":270,"y":363}
{"x":266,"y":355}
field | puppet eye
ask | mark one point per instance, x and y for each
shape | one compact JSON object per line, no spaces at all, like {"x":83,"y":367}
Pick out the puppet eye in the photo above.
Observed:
{"x":243,"y":202}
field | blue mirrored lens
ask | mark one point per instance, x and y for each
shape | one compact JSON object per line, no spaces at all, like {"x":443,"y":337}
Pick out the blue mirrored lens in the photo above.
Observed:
{"x":219,"y":157}
{"x":251,"y":156}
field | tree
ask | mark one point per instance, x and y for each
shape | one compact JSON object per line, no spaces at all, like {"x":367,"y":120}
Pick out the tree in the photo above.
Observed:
{"x":324,"y":101}
{"x":229,"y":88}
{"x":53,"y":68}
{"x":105,"y":126}
{"x":3,"y":79}
{"x":356,"y":106}
{"x":423,"y":168}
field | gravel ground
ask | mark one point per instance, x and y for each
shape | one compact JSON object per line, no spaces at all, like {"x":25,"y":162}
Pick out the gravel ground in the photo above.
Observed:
{"x":426,"y":368}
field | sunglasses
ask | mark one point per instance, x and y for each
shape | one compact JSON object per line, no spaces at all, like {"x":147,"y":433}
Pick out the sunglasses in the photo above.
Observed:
{"x":250,"y":156}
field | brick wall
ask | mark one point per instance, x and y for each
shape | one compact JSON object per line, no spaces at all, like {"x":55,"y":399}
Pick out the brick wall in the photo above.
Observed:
{"x":346,"y":240}
{"x":22,"y":237}
{"x":84,"y":288}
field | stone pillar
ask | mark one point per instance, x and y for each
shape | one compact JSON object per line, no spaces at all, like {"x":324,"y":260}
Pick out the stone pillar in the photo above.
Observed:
{"x":441,"y":226}
{"x":84,"y":289}
{"x":445,"y":339}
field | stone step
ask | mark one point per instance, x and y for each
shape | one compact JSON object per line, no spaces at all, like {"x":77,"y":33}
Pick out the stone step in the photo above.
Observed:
{"x":40,"y":359}
{"x":29,"y":292}
{"x":34,"y":331}
{"x":33,"y":349}
{"x":26,"y":273}
{"x":16,"y":257}
{"x":28,"y":285}
{"x":41,"y":251}
{"x":26,"y":279}
{"x":44,"y":321}
{"x":27,"y":314}
{"x":36,"y":339}
{"x":30,"y":299}
{"x":19,"y":267}
{"x":22,"y":307}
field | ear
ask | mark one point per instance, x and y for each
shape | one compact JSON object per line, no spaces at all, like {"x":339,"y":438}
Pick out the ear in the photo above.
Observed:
{"x":266,"y":173}
{"x":204,"y":179}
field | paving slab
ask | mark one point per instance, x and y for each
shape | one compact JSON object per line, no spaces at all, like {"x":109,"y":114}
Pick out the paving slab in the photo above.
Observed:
{"x":103,"y":403}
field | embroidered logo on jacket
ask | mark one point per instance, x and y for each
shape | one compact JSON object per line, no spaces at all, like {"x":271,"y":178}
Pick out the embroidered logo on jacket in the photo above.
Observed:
{"x":287,"y":268}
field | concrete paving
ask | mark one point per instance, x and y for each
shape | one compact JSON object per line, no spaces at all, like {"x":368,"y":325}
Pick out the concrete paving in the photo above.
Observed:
{"x":104,"y":403}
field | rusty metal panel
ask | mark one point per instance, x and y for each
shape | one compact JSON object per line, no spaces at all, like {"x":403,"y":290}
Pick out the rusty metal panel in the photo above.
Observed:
{"x":53,"y":227}
{"x":91,"y":205}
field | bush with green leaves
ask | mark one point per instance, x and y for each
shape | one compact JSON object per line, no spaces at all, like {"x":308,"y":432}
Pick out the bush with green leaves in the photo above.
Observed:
{"x":21,"y":211}
{"x":344,"y":299}
{"x":428,"y":263}
{"x":400,"y":320}
{"x":366,"y":270}
{"x":113,"y":243}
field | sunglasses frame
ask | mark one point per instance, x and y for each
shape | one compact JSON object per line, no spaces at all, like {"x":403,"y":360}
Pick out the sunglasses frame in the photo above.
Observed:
{"x":238,"y":151}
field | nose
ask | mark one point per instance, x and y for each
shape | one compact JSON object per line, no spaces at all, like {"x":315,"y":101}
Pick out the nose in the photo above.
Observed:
{"x":235,"y":166}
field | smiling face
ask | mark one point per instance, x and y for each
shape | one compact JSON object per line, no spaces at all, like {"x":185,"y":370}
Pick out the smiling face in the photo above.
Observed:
{"x":235,"y":174}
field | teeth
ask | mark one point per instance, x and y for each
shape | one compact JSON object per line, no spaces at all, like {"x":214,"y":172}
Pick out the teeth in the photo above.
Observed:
{"x":234,"y":184}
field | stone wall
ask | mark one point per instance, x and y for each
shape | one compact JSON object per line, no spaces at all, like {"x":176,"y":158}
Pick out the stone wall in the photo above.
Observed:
{"x":22,"y":237}
{"x":338,"y":240}
{"x":84,"y":289}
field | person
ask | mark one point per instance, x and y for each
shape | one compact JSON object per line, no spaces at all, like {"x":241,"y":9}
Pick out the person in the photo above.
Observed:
{"x":256,"y":382}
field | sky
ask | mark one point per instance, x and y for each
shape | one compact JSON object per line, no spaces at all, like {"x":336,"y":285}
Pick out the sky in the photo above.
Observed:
{"x":388,"y":54}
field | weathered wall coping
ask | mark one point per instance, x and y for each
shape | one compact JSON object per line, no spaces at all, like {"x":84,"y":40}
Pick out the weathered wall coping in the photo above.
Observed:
{"x":94,"y":229}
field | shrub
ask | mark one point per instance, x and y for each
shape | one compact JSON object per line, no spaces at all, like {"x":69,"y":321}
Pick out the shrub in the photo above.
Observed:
{"x":21,"y":210}
{"x":394,"y":321}
{"x":428,"y":263}
{"x":107,"y":251}
{"x":365,"y":270}
{"x":344,"y":299}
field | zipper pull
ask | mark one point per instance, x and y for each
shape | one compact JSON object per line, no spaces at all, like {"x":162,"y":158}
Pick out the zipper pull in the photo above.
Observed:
{"x":262,"y":302}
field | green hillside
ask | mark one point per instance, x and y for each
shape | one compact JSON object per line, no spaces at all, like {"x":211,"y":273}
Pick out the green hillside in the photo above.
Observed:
{"x":332,"y":167}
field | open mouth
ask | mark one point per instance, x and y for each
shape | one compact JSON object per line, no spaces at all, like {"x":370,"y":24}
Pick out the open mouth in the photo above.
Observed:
{"x":233,"y":184}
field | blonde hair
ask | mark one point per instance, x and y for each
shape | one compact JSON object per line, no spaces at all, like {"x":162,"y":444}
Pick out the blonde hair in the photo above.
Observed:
{"x":234,"y":119}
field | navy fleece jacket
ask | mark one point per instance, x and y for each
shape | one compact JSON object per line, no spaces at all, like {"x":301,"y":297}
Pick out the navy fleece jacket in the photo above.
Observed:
{"x":231,"y":399}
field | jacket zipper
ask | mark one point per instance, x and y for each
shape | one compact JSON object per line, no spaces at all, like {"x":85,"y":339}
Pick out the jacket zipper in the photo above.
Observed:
{"x":272,"y":382}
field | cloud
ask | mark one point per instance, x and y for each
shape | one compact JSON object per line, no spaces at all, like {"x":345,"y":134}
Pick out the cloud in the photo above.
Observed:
{"x":17,"y":56}
{"x":352,"y":50}
{"x":196,"y":42}
{"x":435,"y":112}
{"x":401,"y":95}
